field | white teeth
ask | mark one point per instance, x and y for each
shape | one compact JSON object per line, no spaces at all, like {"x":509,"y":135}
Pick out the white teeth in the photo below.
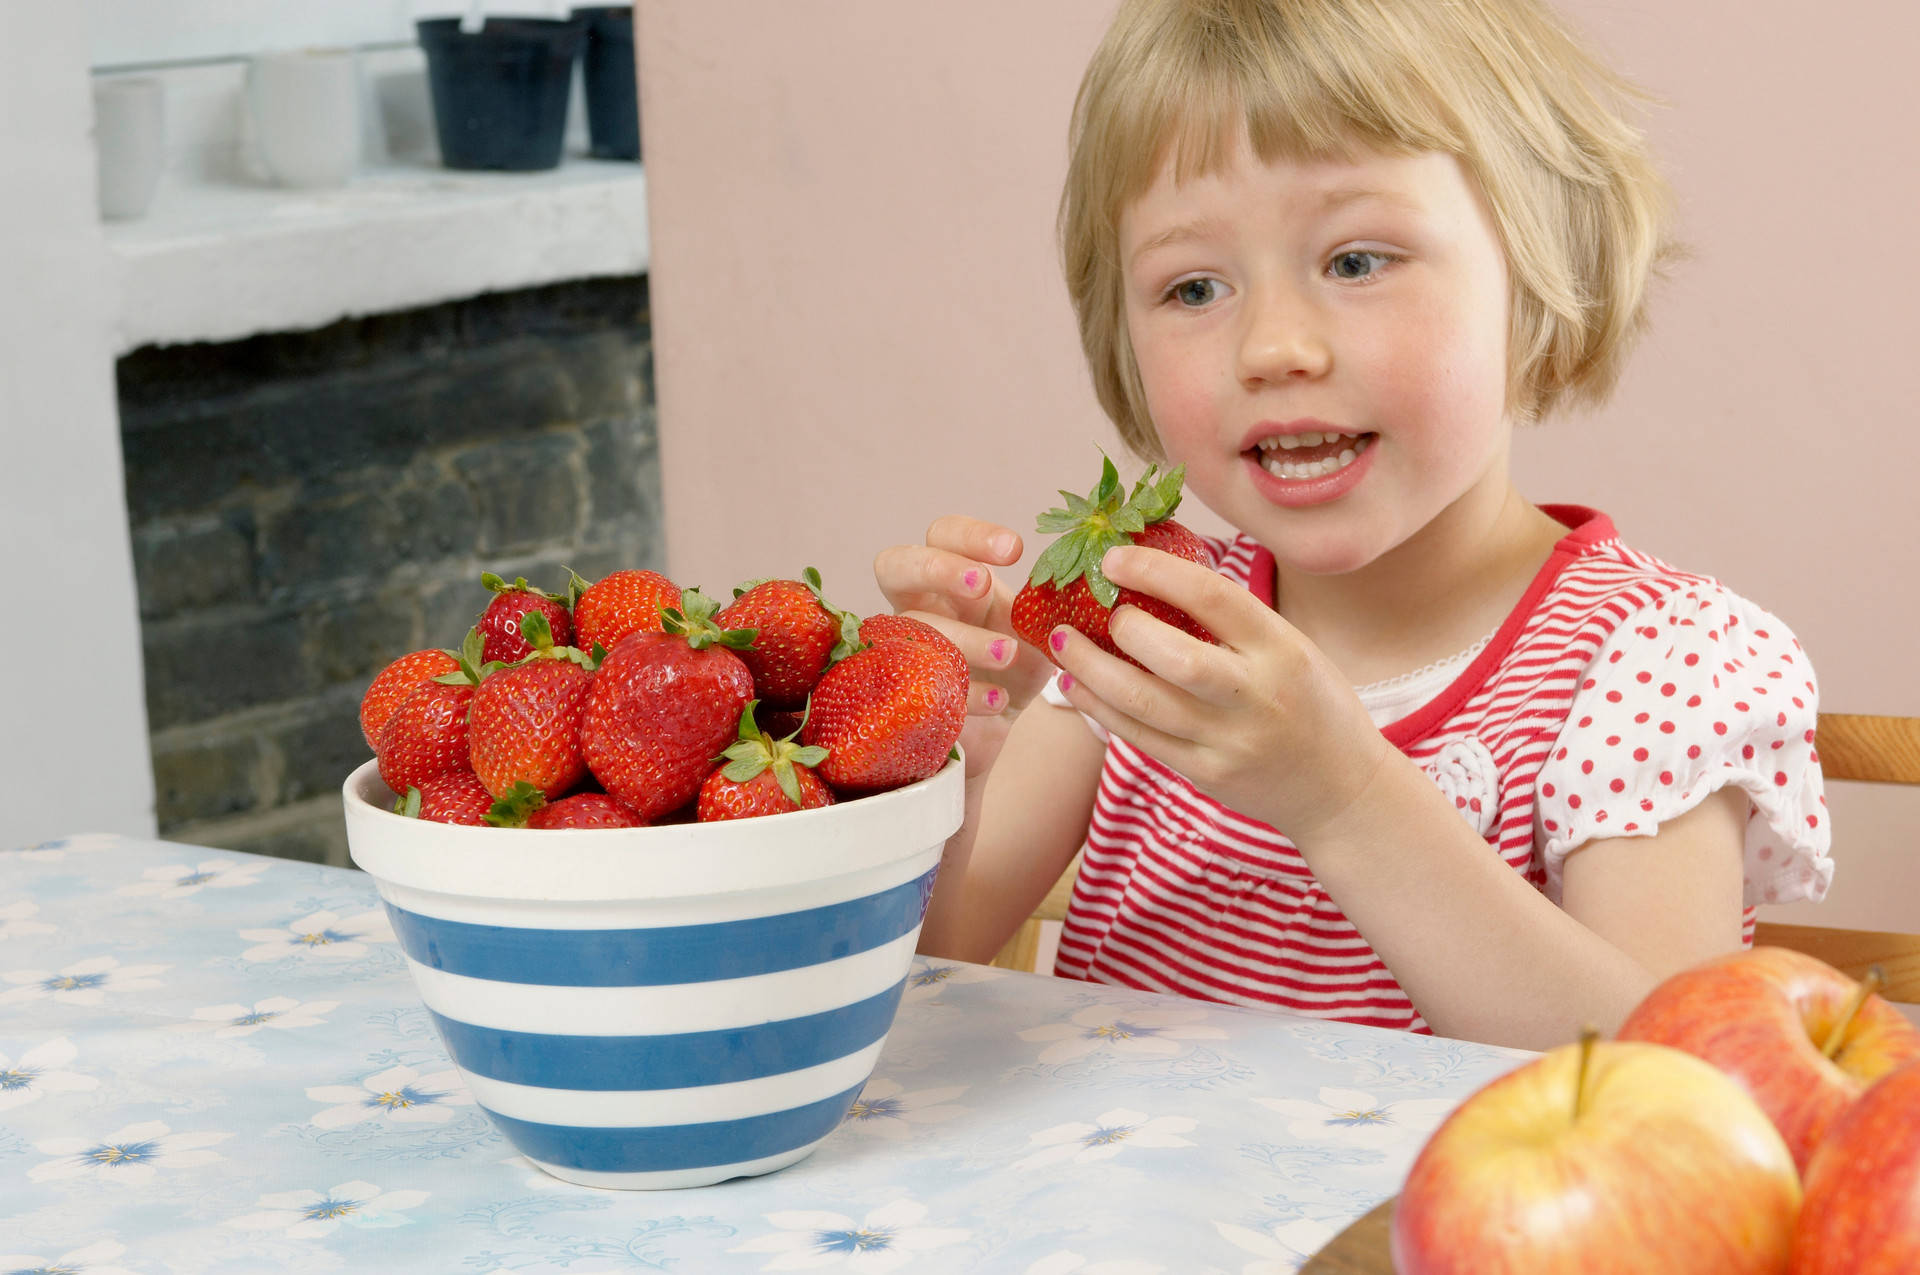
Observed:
{"x":1289,"y":442}
{"x":1280,"y":467}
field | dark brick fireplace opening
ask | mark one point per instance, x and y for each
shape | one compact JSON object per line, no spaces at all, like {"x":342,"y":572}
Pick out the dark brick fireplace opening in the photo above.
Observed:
{"x":307,"y":506}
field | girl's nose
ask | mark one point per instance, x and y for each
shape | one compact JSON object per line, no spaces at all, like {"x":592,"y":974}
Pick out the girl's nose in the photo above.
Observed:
{"x":1281,"y":338}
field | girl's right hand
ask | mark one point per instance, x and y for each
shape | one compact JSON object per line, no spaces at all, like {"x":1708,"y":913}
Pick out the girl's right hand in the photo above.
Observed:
{"x":949,"y":583}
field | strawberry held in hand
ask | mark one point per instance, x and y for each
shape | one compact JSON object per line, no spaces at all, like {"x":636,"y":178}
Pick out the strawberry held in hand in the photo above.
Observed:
{"x":799,"y":635}
{"x":890,"y":713}
{"x":525,"y":720}
{"x":664,"y":705}
{"x":763,"y":776}
{"x":1067,"y":586}
{"x":500,"y":622}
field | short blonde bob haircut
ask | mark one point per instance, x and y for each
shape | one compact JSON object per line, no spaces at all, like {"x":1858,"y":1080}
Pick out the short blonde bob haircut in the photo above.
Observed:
{"x":1536,"y":121}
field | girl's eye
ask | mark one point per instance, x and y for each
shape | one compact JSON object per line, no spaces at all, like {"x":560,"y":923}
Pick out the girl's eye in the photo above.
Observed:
{"x":1357,"y":264}
{"x":1194,"y":292}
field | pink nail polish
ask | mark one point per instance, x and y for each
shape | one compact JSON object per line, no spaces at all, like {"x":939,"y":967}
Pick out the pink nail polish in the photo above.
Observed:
{"x":972,"y":579}
{"x":1066,"y":681}
{"x":993,"y":697}
{"x":998,"y":651}
{"x":1057,"y":640}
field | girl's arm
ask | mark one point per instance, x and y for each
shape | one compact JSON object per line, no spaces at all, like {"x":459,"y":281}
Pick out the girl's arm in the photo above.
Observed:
{"x":1484,"y":955}
{"x":1025,"y":819}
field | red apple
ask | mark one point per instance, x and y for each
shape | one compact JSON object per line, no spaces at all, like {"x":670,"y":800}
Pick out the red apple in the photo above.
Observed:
{"x":1862,"y":1211}
{"x":1601,"y":1159}
{"x":1792,"y":1029}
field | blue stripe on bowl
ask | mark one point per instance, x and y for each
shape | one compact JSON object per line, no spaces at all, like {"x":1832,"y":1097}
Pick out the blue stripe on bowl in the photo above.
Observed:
{"x":680,"y":1146}
{"x":661,"y":955}
{"x":677,"y":1061}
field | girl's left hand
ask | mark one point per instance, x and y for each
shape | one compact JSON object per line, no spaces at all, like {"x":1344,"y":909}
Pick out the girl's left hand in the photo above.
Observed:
{"x":1262,"y":722}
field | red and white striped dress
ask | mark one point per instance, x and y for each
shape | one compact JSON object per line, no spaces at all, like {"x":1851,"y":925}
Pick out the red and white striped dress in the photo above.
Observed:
{"x":1618,"y":694}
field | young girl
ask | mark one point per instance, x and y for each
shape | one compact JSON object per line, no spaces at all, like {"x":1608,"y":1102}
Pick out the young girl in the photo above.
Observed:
{"x":1458,"y":762}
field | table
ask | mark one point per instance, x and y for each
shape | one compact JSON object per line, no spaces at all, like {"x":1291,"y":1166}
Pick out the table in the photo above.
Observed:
{"x":215,"y":1062}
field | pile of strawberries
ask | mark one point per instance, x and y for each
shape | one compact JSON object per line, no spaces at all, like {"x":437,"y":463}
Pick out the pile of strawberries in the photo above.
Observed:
{"x":631,"y":701}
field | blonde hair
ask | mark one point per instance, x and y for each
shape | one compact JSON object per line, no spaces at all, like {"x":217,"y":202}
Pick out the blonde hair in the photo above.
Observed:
{"x":1538,"y":123}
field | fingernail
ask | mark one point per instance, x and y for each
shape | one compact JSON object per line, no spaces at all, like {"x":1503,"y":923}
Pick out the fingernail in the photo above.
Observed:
{"x":1066,"y":681}
{"x":1106,"y":559}
{"x":971,"y":579}
{"x":1057,"y":639}
{"x":1003,"y":544}
{"x":993,"y":697}
{"x":998,"y":651}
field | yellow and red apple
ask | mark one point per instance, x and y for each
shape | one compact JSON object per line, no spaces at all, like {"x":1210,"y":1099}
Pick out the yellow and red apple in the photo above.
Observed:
{"x":1802,"y":1037}
{"x":1601,"y":1158}
{"x":1861,"y":1215}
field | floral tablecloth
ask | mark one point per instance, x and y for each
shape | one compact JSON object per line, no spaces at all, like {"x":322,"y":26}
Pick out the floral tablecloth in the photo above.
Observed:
{"x":214,"y":1062}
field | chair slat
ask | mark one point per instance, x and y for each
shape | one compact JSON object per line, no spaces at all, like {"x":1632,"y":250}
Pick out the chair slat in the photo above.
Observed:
{"x":1852,"y":952}
{"x":1859,"y":746}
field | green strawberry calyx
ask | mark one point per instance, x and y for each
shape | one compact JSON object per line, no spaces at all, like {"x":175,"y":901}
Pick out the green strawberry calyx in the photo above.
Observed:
{"x":472,"y":670}
{"x":409,"y":805}
{"x":757,"y":751}
{"x":693,"y":620}
{"x":1092,"y":524}
{"x":513,"y":807}
{"x":539,"y":635}
{"x":577,"y":586}
{"x":519,"y":585}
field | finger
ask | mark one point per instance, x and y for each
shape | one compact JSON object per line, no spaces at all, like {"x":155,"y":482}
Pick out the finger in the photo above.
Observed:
{"x":1131,"y":692}
{"x":1212,"y":674}
{"x":1228,"y":611}
{"x":922,"y":577}
{"x":984,"y":699}
{"x":975,"y":538}
{"x":987,"y":652}
{"x":1173,"y":750}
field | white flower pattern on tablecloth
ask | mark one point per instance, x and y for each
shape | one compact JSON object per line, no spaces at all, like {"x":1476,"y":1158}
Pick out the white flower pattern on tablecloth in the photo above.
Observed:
{"x":885,"y":1110}
{"x":41,"y":1070}
{"x":1124,"y":1030}
{"x":81,"y":983}
{"x":400,"y":1094}
{"x":1110,"y":1133}
{"x":283,"y":1013}
{"x":314,"y":1215}
{"x":928,"y":977}
{"x":131,"y":1155}
{"x":49,"y":851}
{"x":178,"y":880}
{"x":16,"y":920}
{"x":1354,"y":1118}
{"x":95,"y":1259}
{"x":322,"y":936}
{"x":1068,"y":1262}
{"x":1282,"y":1249}
{"x":884,"y":1240}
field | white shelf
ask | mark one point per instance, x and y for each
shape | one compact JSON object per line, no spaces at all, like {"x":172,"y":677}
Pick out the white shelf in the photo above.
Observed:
{"x":219,"y":261}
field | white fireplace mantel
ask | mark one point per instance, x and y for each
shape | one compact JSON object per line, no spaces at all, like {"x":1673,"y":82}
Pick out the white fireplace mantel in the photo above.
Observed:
{"x":217,"y":261}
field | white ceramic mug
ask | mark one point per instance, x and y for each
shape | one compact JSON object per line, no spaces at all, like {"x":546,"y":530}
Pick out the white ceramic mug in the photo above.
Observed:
{"x":305,"y":111}
{"x":130,"y":144}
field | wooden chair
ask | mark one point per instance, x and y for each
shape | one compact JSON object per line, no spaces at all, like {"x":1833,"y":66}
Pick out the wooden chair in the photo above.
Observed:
{"x":1881,"y":750}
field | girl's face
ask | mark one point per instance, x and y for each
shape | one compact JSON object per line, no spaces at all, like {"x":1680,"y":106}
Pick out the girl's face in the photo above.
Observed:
{"x":1323,"y":344}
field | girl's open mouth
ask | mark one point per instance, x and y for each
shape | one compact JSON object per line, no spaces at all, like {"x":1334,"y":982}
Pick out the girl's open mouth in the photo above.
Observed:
{"x":1302,"y":457}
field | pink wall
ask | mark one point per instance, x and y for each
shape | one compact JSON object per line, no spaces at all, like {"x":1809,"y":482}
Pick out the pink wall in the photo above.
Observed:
{"x":859,"y":320}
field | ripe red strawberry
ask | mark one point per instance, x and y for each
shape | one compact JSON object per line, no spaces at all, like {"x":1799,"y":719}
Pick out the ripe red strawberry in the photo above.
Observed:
{"x":425,"y":737}
{"x":1067,"y":586}
{"x":890,"y":713}
{"x":500,"y":622}
{"x":763,"y":776}
{"x":664,"y":705}
{"x":525,"y":722}
{"x":797,"y":634}
{"x":456,"y":798}
{"x":619,"y":603}
{"x":525,"y":806}
{"x":394,"y":683}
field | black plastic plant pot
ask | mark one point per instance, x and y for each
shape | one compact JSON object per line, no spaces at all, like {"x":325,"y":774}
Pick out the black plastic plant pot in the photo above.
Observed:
{"x":613,"y":94}
{"x":500,"y":94}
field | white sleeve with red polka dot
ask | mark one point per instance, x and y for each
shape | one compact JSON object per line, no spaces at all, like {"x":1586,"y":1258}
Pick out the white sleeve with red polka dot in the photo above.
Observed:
{"x":1698,"y":690}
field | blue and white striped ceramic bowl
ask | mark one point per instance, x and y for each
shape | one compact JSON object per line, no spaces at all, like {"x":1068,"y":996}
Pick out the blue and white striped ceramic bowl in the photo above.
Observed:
{"x":662,"y":1007}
